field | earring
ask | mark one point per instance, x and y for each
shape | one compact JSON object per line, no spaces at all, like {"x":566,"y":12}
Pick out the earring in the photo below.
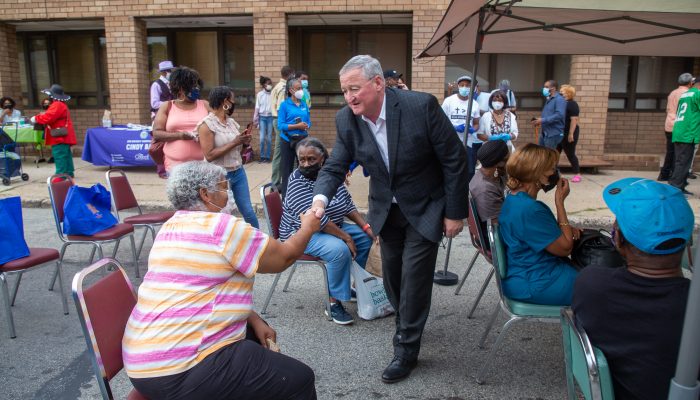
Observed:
{"x":226,"y":107}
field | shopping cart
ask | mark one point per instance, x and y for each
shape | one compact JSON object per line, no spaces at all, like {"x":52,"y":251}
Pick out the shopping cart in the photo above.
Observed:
{"x":10,"y":160}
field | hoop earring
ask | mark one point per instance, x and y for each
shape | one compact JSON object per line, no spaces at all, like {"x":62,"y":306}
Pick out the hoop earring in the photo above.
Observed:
{"x":226,"y":107}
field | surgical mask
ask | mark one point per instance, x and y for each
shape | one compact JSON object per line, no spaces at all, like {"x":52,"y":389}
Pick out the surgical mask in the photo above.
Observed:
{"x":545,"y":92}
{"x":230,"y":204}
{"x":268,"y":88}
{"x":299,"y":94}
{"x":551,"y":181}
{"x":310,"y":172}
{"x":167,"y":76}
{"x":464,"y":91}
{"x":497,"y":105}
{"x":193,"y":95}
{"x":304,"y":84}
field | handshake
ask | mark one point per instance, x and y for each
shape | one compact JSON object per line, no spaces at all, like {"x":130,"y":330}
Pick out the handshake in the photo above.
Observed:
{"x":462,"y":127}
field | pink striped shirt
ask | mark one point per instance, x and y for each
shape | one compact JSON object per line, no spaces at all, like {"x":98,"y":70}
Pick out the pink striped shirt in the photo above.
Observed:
{"x":197,"y":294}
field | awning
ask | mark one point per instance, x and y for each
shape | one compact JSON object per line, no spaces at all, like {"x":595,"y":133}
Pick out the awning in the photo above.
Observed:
{"x":620,"y":27}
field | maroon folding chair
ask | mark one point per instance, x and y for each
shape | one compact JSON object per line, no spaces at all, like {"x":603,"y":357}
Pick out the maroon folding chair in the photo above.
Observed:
{"x":478,"y":241}
{"x":123,"y":198}
{"x":272,"y":206}
{"x":58,"y":191}
{"x":38,"y":257}
{"x":104,"y":309}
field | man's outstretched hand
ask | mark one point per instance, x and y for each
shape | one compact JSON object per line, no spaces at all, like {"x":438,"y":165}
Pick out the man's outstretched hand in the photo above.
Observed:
{"x":318,"y":208}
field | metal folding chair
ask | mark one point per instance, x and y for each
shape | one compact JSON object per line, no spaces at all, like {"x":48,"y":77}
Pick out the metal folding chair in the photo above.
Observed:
{"x":272,"y":206}
{"x":58,"y":191}
{"x":37,"y":258}
{"x":478,"y":241}
{"x":123,"y":198}
{"x":515,"y":310}
{"x":586,"y":365}
{"x":104,"y":309}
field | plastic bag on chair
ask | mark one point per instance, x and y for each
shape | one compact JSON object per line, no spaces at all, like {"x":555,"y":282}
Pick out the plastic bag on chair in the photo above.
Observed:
{"x":87,"y":211}
{"x":12,"y":243}
{"x":372,"y":301}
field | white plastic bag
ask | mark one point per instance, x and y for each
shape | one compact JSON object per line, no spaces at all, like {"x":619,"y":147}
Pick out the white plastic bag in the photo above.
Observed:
{"x":372,"y":301}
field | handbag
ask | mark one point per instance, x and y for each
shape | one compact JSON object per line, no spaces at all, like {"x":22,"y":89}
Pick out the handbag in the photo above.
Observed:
{"x":87,"y":211}
{"x":372,"y":301}
{"x":59,"y":132}
{"x":12,"y":243}
{"x":595,"y":248}
{"x":155,"y":151}
{"x":246,"y":153}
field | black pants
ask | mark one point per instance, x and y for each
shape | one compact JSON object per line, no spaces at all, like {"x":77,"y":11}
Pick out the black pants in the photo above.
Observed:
{"x":288,"y":154}
{"x":683,"y":160}
{"x":471,"y":160}
{"x":408,"y":262}
{"x":669,"y":160}
{"x":242,"y":370}
{"x":570,"y":151}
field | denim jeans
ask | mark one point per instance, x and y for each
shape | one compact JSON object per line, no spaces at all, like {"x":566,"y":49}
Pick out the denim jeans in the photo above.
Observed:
{"x":238,"y":181}
{"x":552,"y":141}
{"x":471,"y":159}
{"x":338,"y":258}
{"x":265,"y":137}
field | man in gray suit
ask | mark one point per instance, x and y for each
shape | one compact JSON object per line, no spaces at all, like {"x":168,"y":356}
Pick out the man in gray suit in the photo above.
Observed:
{"x":418,"y":190}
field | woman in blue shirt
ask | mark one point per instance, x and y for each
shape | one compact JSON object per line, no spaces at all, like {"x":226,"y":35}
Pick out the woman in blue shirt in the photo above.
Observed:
{"x":293,"y":122}
{"x":537,"y":243}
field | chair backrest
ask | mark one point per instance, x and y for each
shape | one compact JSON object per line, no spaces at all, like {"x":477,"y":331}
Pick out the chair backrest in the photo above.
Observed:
{"x":104,"y":309}
{"x":58,"y":191}
{"x":498,"y":250}
{"x":123,"y":197}
{"x":272,"y":206}
{"x":475,"y":229}
{"x":585,"y":365}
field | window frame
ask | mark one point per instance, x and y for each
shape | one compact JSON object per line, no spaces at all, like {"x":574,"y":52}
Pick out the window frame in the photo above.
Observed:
{"x":51,"y":37}
{"x":321,"y":99}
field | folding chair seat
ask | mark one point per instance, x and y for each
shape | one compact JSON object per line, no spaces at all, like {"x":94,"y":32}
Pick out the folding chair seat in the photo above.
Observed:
{"x":478,"y":241}
{"x":272,"y":206}
{"x":104,"y":309}
{"x":38,"y":257}
{"x":586,"y":365}
{"x":123,"y":198}
{"x":515,"y":310}
{"x":58,"y":191}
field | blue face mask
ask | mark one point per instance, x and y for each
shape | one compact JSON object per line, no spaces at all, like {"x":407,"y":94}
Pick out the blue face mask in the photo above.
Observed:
{"x":193,"y":95}
{"x":545,"y":92}
{"x":305,"y":84}
{"x":464,"y":91}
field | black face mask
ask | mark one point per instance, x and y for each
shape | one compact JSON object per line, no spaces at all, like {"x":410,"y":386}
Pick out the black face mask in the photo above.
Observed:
{"x":552,"y":181}
{"x":45,"y":106}
{"x":7,"y":106}
{"x":229,"y":112}
{"x":310,"y":172}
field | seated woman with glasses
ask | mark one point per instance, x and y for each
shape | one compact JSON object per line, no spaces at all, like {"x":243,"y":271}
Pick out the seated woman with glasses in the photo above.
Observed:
{"x":193,"y":333}
{"x":338,"y":243}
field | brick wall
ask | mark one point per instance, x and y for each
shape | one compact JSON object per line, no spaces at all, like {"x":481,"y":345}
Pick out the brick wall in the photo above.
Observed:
{"x":635,"y":132}
{"x":428,"y":75}
{"x":9,"y":65}
{"x":590,"y":75}
{"x":271,"y":49}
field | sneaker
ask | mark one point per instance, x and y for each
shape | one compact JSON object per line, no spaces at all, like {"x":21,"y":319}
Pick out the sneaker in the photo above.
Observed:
{"x":353,"y":296}
{"x":339,"y":315}
{"x":576,"y":179}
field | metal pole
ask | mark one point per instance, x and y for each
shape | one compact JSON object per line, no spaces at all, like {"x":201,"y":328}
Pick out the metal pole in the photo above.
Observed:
{"x":475,"y":70}
{"x":685,"y":385}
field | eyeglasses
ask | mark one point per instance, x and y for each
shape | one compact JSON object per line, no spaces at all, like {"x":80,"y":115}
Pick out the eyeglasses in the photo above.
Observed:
{"x":216,"y":188}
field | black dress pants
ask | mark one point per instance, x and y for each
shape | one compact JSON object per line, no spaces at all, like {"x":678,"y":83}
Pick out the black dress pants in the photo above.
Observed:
{"x":669,"y":159}
{"x":570,"y":151}
{"x":683,"y":161}
{"x":288,"y":155}
{"x":408,"y":262}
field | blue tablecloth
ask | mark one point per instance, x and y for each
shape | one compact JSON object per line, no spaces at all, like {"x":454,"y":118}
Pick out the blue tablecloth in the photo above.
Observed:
{"x":117,"y":147}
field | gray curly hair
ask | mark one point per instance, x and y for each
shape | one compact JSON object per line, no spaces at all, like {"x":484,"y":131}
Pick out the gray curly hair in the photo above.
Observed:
{"x":370,"y":66}
{"x":186,"y":179}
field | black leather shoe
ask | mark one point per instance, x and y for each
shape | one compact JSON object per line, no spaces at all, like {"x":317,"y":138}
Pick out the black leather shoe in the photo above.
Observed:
{"x":692,"y":176}
{"x":398,"y":370}
{"x":662,"y":178}
{"x":687,"y":193}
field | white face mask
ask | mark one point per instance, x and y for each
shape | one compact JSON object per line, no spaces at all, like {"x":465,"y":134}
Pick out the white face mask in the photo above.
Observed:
{"x":497,"y":105}
{"x":230,"y":206}
{"x":299,"y":94}
{"x":268,"y":88}
{"x":167,"y":76}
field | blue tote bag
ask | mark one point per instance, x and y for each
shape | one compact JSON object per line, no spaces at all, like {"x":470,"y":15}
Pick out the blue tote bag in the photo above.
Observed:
{"x":12,"y":243}
{"x":87,"y":211}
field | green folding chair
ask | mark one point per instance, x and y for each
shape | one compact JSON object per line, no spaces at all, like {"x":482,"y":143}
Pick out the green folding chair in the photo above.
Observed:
{"x":586,"y":366}
{"x":515,"y":310}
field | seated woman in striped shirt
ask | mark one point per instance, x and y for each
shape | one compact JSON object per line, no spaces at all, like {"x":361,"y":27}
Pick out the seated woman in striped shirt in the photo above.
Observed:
{"x":338,"y":243}
{"x":193,"y":333}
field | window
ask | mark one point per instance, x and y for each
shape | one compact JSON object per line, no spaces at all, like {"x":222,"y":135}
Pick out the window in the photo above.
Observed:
{"x":322,"y":51}
{"x":222,"y":57}
{"x":526,"y":73}
{"x":77,"y":61}
{"x":643,"y":83}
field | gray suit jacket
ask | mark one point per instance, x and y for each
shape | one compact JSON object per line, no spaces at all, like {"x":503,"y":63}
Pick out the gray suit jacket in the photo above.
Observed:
{"x":427,"y":163}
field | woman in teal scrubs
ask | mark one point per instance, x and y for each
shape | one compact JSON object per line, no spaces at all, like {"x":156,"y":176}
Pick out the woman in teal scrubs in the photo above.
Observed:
{"x":538,"y":244}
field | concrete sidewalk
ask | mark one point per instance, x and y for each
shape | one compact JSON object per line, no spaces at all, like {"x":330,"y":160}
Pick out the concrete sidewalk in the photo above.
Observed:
{"x":585,"y":204}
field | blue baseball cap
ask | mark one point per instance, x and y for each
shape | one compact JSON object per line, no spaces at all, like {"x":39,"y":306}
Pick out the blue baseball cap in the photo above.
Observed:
{"x":650,"y":213}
